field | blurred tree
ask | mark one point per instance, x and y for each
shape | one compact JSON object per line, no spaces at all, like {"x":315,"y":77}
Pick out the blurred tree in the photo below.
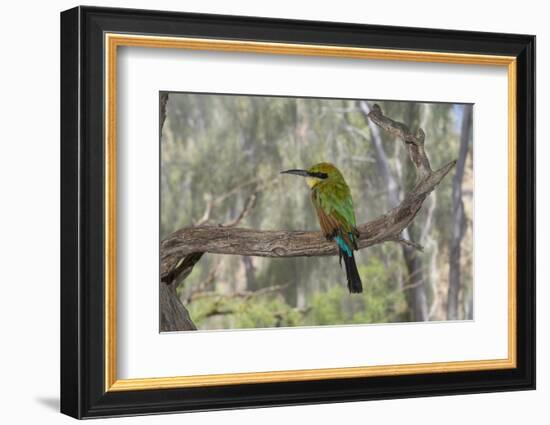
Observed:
{"x":459,"y":216}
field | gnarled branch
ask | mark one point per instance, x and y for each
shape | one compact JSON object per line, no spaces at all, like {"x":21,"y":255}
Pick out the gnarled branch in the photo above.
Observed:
{"x":181,"y":250}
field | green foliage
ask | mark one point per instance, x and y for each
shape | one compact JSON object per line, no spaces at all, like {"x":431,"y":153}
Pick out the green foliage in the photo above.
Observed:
{"x":257,"y":312}
{"x":267,"y":313}
{"x":375,"y":305}
{"x":327,"y":307}
{"x":332,"y":307}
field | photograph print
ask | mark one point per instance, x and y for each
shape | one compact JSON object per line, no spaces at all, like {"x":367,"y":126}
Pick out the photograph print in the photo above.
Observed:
{"x":280,"y":212}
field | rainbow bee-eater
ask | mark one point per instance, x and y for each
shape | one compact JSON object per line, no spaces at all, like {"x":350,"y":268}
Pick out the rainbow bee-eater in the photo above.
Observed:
{"x":331,"y":197}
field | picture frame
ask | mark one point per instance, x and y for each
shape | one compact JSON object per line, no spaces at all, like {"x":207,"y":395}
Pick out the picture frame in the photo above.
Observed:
{"x":90,"y":41}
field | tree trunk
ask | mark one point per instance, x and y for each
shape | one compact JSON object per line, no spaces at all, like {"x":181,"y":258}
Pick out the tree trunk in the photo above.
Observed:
{"x":459,"y":218}
{"x":250,"y":273}
{"x":415,"y":293}
{"x":173,"y":315}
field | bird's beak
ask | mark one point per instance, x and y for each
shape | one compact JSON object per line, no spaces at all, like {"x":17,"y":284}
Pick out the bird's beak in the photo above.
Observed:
{"x":302,"y":173}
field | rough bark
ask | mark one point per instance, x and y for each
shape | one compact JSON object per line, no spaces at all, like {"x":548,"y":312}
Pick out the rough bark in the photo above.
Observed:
{"x":173,"y":315}
{"x":181,"y":250}
{"x":162,"y":110}
{"x":459,"y":218}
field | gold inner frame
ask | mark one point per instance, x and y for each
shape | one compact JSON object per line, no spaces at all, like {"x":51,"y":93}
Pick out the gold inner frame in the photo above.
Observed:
{"x":113,"y":41}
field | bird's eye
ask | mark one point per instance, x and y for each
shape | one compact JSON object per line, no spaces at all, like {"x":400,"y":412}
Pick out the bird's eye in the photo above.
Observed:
{"x":320,"y":175}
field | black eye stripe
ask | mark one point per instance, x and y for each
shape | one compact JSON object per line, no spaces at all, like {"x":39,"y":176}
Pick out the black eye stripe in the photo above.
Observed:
{"x":319,"y":175}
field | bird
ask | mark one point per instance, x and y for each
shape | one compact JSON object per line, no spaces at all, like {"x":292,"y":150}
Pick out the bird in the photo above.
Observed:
{"x":331,"y":197}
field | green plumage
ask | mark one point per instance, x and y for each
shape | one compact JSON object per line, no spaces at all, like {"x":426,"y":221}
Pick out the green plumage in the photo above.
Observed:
{"x":331,"y":197}
{"x":334,"y":198}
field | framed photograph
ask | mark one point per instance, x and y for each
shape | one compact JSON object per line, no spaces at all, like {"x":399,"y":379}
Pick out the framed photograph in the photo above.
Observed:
{"x":261,"y":212}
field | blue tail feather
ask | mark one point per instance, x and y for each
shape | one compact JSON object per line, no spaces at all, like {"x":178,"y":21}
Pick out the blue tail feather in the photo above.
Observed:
{"x":343,"y":246}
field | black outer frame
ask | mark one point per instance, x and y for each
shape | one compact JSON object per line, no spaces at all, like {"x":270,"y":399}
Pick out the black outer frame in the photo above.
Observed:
{"x":82,"y":212}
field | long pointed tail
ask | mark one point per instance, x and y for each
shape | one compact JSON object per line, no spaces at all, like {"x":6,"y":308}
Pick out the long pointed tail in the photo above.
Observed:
{"x":354,"y":281}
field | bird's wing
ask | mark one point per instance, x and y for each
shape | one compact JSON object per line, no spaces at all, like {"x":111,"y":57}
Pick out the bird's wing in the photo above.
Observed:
{"x":335,"y":212}
{"x":329,"y":224}
{"x":337,"y":202}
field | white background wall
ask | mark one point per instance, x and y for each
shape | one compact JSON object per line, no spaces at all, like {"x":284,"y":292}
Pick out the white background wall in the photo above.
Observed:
{"x":29,"y":217}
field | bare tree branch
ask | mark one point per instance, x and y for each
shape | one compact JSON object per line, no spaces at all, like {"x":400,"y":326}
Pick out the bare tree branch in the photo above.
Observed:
{"x":248,"y":205}
{"x":415,"y":142}
{"x":211,"y":203}
{"x":245,"y":295}
{"x":219,"y":309}
{"x":202,"y":286}
{"x":409,"y":244}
